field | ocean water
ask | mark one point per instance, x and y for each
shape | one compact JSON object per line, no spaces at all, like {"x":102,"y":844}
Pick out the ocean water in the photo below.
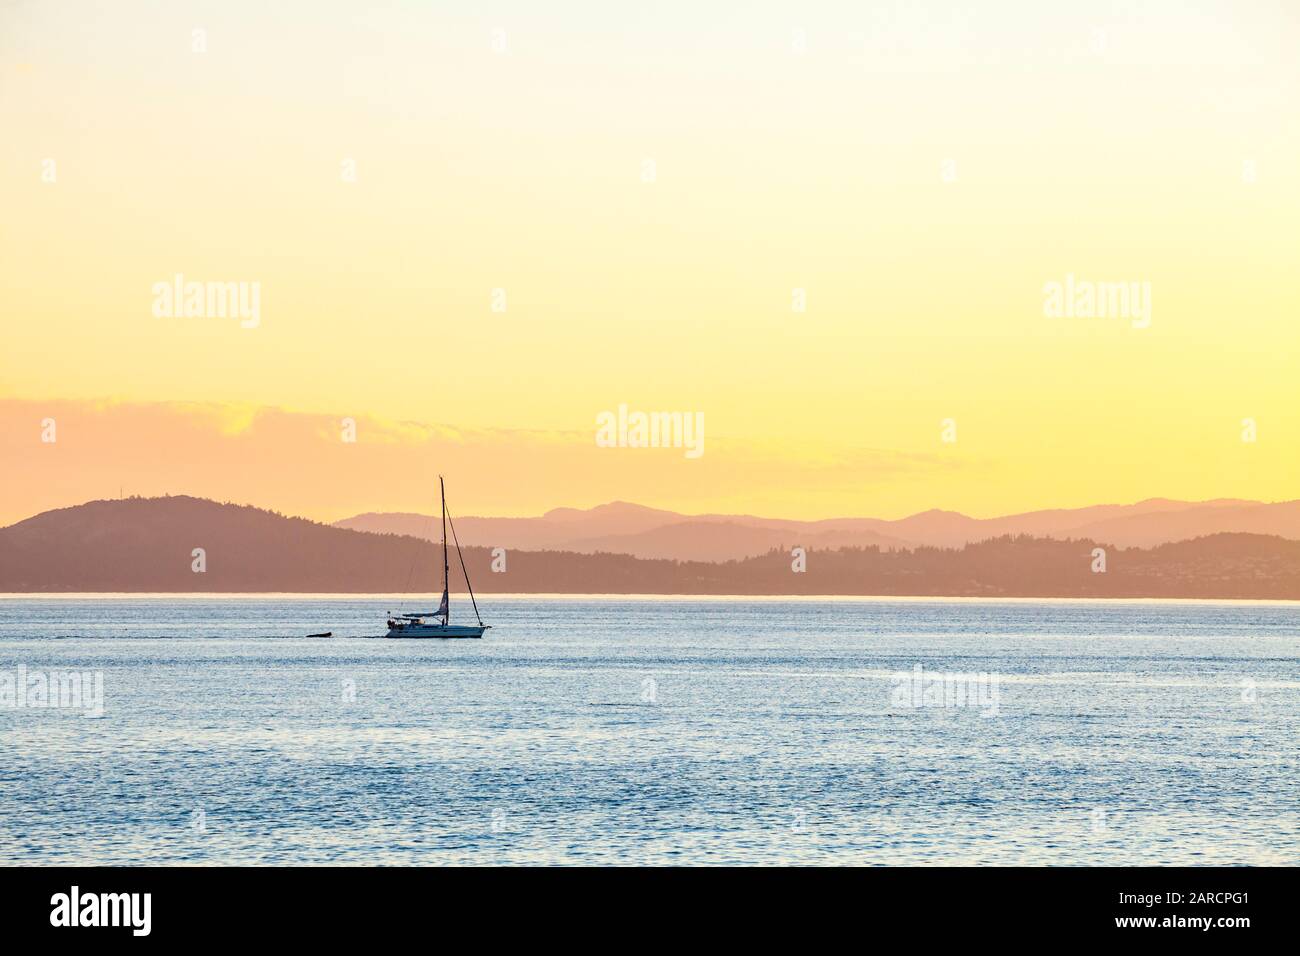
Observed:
{"x":654,"y":731}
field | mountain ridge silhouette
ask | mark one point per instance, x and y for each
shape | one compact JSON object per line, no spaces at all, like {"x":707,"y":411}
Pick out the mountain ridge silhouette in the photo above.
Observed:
{"x":627,"y":528}
{"x":147,"y":544}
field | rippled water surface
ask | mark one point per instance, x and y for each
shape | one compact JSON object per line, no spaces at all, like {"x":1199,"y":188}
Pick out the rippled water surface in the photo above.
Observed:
{"x":653,"y":731}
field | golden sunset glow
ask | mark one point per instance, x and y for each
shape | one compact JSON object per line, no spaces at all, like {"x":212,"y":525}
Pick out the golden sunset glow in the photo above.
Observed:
{"x":921,"y":175}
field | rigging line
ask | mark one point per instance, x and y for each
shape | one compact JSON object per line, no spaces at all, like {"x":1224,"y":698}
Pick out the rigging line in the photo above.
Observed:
{"x":469,"y":587}
{"x":410,"y":571}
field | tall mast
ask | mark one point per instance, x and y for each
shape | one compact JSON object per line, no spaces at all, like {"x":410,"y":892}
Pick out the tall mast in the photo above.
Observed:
{"x":446,"y":568}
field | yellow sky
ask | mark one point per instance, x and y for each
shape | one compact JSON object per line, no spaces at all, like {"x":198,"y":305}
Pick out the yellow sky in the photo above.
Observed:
{"x":922,"y":172}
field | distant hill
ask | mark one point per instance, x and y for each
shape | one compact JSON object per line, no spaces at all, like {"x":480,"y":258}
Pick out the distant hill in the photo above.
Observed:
{"x":632,"y":529}
{"x":552,"y":530}
{"x":1146,"y":529}
{"x":146,"y":544}
{"x":707,"y":540}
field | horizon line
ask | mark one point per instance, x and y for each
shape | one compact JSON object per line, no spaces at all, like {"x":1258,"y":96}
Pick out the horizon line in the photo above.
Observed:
{"x":669,"y":511}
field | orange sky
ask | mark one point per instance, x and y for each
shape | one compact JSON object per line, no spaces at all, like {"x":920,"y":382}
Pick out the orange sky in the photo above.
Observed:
{"x":301,"y":464}
{"x":921,"y":172}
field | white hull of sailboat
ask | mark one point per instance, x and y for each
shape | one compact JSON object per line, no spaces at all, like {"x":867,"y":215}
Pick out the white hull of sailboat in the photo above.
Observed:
{"x":443,"y":631}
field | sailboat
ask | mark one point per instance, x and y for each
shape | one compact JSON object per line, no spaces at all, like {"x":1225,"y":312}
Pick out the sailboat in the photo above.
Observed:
{"x":437,"y":623}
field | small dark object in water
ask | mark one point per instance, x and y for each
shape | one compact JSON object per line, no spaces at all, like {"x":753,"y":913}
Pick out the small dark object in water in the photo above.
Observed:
{"x":323,"y":634}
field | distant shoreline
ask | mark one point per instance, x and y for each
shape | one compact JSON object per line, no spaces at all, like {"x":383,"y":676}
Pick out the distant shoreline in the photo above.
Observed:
{"x":573,"y":596}
{"x":167,"y":545}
